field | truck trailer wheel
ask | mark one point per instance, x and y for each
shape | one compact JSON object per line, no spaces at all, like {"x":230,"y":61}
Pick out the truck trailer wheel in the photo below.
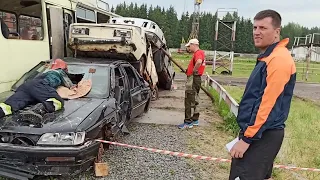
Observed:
{"x":158,"y":58}
{"x":168,"y":85}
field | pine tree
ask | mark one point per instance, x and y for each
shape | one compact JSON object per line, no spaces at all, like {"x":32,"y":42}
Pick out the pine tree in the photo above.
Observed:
{"x":175,"y":29}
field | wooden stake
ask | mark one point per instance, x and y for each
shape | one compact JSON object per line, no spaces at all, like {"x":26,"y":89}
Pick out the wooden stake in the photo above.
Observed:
{"x":101,"y":169}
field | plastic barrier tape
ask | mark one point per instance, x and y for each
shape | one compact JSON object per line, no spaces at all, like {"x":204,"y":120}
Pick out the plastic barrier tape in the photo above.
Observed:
{"x":180,"y":154}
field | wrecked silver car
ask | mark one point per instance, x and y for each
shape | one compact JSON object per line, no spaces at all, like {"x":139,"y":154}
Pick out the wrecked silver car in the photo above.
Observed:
{"x":64,"y":143}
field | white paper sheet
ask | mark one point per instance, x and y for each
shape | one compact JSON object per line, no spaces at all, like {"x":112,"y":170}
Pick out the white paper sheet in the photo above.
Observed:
{"x":232,"y":143}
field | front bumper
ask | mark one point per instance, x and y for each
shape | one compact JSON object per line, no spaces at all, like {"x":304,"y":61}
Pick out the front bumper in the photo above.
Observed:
{"x":122,"y":42}
{"x":15,"y":160}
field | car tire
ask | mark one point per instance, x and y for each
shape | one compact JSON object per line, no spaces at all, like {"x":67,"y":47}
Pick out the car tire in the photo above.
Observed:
{"x":136,"y":65}
{"x":158,"y":58}
{"x":105,"y":134}
{"x":168,"y":85}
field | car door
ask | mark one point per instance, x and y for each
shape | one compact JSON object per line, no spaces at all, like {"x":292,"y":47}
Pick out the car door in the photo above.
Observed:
{"x":121,"y":94}
{"x":136,"y":94}
{"x":145,"y":89}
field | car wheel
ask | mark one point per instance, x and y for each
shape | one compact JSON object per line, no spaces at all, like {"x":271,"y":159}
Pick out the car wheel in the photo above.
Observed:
{"x":158,"y":58}
{"x":168,"y":85}
{"x":106,"y":134}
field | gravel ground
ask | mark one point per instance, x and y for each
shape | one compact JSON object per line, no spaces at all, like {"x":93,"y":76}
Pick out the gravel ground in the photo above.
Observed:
{"x":127,"y":163}
{"x":139,"y":164}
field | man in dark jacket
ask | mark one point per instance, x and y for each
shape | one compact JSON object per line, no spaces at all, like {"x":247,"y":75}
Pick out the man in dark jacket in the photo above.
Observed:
{"x":266,"y":101}
{"x":40,"y":90}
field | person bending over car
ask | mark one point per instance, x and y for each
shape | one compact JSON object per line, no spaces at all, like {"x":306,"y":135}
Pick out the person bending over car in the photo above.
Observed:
{"x":40,"y":91}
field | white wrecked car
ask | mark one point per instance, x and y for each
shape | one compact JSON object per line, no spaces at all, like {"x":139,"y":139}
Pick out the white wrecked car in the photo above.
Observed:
{"x":115,"y":42}
{"x":156,"y":37}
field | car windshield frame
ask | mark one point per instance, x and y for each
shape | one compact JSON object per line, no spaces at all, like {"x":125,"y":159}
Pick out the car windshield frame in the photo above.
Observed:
{"x":40,"y":68}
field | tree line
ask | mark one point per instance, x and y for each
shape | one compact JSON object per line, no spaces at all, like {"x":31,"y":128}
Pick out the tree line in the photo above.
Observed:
{"x":176,"y":28}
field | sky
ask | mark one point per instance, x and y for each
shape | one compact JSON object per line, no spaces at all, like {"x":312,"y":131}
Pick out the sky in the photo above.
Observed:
{"x":304,"y":12}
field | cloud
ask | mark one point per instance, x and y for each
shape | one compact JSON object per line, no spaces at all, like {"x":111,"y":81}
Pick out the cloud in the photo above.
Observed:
{"x":306,"y":12}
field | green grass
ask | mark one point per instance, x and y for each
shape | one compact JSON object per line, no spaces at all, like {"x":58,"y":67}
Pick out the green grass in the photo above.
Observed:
{"x":301,"y":144}
{"x":242,"y":67}
{"x":229,"y":123}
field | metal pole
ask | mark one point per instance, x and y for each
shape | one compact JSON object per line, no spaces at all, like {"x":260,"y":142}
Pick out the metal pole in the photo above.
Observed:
{"x":309,"y":54}
{"x":215,"y":48}
{"x":232,"y":45}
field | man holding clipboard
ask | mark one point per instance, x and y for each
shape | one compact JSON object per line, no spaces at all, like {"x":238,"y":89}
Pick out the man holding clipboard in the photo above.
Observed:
{"x":266,"y":101}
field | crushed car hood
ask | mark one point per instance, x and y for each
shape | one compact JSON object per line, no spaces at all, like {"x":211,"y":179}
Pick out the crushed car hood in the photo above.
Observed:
{"x":66,"y":120}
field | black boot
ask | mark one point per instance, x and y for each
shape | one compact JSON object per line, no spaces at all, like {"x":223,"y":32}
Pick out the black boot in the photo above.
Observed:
{"x":35,"y":114}
{"x":1,"y":113}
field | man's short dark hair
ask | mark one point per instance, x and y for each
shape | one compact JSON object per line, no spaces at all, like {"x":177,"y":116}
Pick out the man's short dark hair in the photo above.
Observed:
{"x":276,"y":18}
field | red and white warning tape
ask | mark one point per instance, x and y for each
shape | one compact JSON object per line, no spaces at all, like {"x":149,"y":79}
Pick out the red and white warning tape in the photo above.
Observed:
{"x":180,"y":154}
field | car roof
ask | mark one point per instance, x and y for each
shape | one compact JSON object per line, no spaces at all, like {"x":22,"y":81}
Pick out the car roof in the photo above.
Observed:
{"x":139,"y":20}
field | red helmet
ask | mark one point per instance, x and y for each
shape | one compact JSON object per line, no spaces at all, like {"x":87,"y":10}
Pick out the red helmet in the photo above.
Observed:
{"x":59,"y":63}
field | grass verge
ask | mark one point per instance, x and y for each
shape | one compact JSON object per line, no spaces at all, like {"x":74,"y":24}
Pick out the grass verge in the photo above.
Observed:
{"x":209,"y":140}
{"x":301,"y":143}
{"x":229,"y":124}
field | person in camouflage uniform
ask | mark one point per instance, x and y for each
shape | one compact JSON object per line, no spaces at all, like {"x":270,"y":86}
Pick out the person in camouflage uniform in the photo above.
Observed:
{"x":40,"y":91}
{"x":193,"y":84}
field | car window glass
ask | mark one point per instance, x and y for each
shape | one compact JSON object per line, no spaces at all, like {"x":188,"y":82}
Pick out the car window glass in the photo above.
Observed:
{"x":119,"y":85}
{"x":40,"y":68}
{"x":133,"y":79}
{"x":100,"y":78}
{"x":30,"y":28}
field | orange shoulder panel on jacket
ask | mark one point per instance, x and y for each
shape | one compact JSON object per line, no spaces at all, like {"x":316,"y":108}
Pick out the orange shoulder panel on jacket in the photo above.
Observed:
{"x":280,"y":67}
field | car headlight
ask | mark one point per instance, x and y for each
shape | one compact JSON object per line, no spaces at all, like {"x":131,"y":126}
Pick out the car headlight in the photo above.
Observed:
{"x":84,"y":31}
{"x":62,"y":138}
{"x":119,"y":33}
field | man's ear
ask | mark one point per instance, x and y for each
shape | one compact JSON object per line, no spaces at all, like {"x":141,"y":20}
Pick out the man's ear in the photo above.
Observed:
{"x":278,"y":31}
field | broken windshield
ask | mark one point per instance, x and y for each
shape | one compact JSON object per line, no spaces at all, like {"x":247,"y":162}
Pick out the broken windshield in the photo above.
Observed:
{"x":98,"y":74}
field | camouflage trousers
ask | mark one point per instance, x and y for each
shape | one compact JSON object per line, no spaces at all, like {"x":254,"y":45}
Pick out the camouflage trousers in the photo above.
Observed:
{"x":191,"y":100}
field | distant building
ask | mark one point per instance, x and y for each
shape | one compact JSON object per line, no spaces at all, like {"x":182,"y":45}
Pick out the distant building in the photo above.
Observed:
{"x":301,"y":53}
